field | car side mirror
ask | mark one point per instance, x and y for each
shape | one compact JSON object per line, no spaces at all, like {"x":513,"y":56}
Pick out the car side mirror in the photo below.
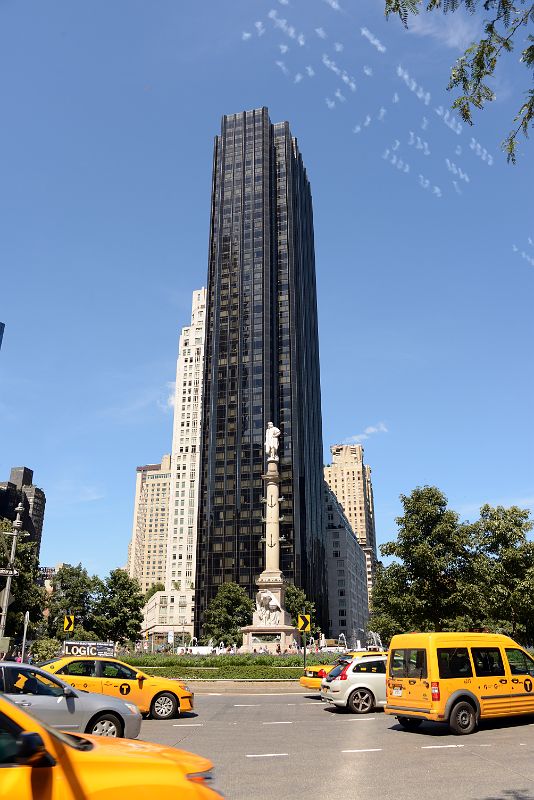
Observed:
{"x":69,"y":692}
{"x":31,"y":750}
{"x":140,"y":676}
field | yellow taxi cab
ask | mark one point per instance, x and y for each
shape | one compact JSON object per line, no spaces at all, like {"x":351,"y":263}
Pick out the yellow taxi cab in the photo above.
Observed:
{"x":457,"y":678}
{"x":162,"y":698}
{"x":313,"y":675}
{"x":37,"y":761}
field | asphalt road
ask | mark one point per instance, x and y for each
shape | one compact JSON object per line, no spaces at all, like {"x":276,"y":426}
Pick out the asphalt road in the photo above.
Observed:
{"x":289,"y":746}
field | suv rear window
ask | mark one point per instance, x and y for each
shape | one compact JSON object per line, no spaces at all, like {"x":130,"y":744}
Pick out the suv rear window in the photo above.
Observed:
{"x":453,"y":662}
{"x":409,"y":663}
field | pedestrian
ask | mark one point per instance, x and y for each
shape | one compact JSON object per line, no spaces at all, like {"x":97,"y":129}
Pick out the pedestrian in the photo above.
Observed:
{"x":278,"y":649}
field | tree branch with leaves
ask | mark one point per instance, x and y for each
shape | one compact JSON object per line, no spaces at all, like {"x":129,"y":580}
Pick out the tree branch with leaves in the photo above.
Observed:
{"x":508,"y":18}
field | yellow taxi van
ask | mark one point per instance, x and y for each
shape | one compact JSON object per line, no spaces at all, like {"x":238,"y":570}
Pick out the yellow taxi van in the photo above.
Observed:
{"x":457,"y":678}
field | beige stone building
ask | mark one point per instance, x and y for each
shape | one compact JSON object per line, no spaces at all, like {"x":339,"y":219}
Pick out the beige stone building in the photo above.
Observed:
{"x":350,"y":480}
{"x":173,"y":610}
{"x":147,"y":553}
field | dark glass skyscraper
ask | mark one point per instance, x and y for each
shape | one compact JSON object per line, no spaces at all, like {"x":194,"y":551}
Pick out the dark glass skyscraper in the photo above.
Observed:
{"x":261,"y":363}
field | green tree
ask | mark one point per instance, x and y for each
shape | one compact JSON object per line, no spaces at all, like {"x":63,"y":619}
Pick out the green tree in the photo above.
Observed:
{"x":26,"y":594}
{"x":151,"y":591}
{"x":424,"y":588}
{"x":297,"y":603}
{"x":45,"y":649}
{"x":229,"y":611}
{"x":73,"y":592}
{"x":507,"y":22}
{"x":505,"y":565}
{"x":117,"y":614}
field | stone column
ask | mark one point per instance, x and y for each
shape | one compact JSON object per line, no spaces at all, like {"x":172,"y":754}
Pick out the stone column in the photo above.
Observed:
{"x":272,"y":518}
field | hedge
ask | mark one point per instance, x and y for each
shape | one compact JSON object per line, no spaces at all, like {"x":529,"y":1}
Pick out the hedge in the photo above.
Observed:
{"x":227,"y":672}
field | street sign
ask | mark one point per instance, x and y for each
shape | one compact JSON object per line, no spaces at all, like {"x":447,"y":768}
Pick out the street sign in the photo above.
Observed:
{"x":170,"y":637}
{"x":6,"y":572}
{"x":304,"y":623}
{"x":101,"y":649}
{"x":68,"y":623}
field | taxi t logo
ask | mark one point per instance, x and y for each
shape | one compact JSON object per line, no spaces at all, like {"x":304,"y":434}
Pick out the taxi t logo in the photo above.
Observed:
{"x":124,"y":688}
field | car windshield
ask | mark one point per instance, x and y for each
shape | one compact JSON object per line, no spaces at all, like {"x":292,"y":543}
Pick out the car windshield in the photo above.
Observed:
{"x":337,"y":670}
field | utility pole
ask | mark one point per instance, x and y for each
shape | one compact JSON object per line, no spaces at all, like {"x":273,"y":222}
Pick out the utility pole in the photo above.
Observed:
{"x":10,"y":571}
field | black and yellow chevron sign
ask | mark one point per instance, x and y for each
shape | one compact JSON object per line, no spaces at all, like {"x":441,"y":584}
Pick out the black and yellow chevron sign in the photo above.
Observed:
{"x":304,"y":623}
{"x":68,"y":623}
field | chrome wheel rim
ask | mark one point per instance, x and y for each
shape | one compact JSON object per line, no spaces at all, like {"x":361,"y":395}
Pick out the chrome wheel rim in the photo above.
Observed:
{"x":464,"y":718}
{"x":361,"y":702}
{"x":105,"y":727}
{"x":163,"y":706}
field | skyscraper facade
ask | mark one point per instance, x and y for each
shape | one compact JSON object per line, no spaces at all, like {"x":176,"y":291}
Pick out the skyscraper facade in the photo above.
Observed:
{"x":261,"y":363}
{"x":20,"y":488}
{"x":350,"y":480}
{"x":147,"y":552}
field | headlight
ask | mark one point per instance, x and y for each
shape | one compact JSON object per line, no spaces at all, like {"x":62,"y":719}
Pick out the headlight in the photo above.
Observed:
{"x":187,"y":688}
{"x":133,"y":709}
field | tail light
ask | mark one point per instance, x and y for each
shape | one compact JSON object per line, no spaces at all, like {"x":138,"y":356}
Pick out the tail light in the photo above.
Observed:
{"x":435,"y":690}
{"x":321,"y":674}
{"x":343,"y":674}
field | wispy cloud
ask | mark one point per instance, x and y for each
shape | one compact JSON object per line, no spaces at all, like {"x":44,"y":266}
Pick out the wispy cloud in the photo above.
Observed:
{"x":472,"y":509}
{"x":333,"y":4}
{"x":456,"y":30}
{"x":71,"y":491}
{"x":358,"y":438}
{"x":167,"y":403}
{"x":245,"y":36}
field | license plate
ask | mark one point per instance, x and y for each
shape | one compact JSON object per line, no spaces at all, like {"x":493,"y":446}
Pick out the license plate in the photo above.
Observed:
{"x":397,"y":691}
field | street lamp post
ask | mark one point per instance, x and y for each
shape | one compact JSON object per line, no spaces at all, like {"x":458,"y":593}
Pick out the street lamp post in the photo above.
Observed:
{"x":11,"y":571}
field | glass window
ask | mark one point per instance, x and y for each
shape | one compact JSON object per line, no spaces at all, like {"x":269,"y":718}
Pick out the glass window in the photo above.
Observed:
{"x":410,"y":663}
{"x":453,"y":662}
{"x":487,"y":661}
{"x":86,"y":669}
{"x":371,"y":666}
{"x":520,"y":663}
{"x":110,"y":670}
{"x":8,"y":740}
{"x":28,"y":681}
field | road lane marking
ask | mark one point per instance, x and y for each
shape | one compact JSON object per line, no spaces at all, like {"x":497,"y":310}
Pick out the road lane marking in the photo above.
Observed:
{"x":188,"y":725}
{"x":367,"y":750}
{"x":246,"y":705}
{"x":440,"y":746}
{"x":291,"y":704}
{"x":265,"y":755}
{"x":366,"y":719}
{"x":277,"y":723}
{"x":314,"y":703}
{"x":484,"y":745}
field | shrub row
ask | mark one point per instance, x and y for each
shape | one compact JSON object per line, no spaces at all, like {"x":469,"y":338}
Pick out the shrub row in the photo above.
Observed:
{"x":238,"y":660}
{"x":230,"y":673}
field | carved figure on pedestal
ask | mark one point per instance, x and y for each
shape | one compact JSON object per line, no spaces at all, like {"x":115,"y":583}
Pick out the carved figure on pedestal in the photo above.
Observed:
{"x":271,"y":441}
{"x":268,"y":607}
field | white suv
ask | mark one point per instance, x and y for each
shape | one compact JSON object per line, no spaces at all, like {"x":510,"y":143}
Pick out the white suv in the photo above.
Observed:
{"x":359,"y":685}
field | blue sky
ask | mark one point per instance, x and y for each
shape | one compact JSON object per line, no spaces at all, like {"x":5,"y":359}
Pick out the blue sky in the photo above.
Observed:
{"x":424,"y":244}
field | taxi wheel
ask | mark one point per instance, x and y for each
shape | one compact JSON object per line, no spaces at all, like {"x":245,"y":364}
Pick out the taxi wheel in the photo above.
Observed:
{"x":463,"y":719}
{"x":164,"y":706}
{"x":105,"y":725}
{"x":361,"y":702}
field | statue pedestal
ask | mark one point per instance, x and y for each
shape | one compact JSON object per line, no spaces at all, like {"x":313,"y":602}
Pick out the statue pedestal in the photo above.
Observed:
{"x":271,"y":624}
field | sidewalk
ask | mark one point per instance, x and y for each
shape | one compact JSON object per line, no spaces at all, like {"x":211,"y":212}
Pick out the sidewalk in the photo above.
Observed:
{"x":248,"y":687}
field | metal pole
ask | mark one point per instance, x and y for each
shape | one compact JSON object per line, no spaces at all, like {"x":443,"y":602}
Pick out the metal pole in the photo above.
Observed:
{"x":17,"y":525}
{"x":304,"y":635}
{"x":26,"y":620}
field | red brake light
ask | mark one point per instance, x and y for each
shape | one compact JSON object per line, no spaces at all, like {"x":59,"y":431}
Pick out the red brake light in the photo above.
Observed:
{"x":435,"y":690}
{"x":321,"y":674}
{"x":343,"y":674}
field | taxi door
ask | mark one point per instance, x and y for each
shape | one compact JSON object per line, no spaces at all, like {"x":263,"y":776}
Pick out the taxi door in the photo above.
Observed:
{"x":81,"y":674}
{"x":522,"y":680}
{"x":408,"y":687}
{"x":120,"y":681}
{"x":492,"y":681}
